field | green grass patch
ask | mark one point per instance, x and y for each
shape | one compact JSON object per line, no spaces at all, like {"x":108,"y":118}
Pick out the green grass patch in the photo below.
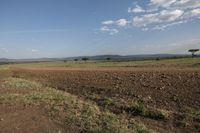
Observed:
{"x":138,"y":109}
{"x":77,"y":112}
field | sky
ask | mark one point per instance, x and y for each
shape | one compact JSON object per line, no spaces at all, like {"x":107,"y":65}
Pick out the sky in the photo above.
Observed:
{"x":66,"y":28}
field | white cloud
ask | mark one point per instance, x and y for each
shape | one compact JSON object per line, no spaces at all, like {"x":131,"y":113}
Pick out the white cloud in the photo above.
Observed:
{"x":169,"y":16}
{"x":146,"y":19}
{"x":187,"y":4}
{"x":159,"y":14}
{"x":162,"y":3}
{"x":196,"y":12}
{"x":108,"y":22}
{"x":111,"y":31}
{"x":111,"y":26}
{"x":165,"y":26}
{"x":104,"y":28}
{"x":163,"y":16}
{"x":122,"y":22}
{"x":137,"y":9}
{"x":35,"y":50}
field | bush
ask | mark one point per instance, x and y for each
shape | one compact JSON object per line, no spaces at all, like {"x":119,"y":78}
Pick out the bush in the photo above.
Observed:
{"x":85,"y":59}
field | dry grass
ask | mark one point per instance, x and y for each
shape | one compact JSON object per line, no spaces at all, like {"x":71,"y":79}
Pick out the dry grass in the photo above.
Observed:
{"x":76,"y":112}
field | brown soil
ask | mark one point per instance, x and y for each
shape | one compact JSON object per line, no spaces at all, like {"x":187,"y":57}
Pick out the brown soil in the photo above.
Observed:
{"x":175,"y":90}
{"x":20,"y":118}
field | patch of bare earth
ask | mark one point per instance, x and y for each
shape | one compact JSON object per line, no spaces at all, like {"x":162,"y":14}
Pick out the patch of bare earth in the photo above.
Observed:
{"x":22,"y":118}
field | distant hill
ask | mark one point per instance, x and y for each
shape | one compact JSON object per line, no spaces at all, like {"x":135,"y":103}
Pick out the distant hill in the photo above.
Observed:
{"x":128,"y":57}
{"x":99,"y":57}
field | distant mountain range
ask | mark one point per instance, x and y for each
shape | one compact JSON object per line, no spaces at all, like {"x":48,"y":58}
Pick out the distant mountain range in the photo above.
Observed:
{"x":100,"y":57}
{"x":128,"y":57}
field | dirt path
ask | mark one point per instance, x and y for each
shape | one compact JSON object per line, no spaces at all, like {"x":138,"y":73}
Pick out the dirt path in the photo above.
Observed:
{"x":16,"y":117}
{"x":23,"y":120}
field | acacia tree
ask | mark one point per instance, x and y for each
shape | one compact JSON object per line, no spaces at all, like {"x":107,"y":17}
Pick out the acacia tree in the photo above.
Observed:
{"x":108,"y":58}
{"x":193,"y":51}
{"x":85,"y":59}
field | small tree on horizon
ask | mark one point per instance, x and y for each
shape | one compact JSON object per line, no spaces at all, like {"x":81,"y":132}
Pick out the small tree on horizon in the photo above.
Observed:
{"x":193,"y":51}
{"x":108,"y":58}
{"x":85,"y":59}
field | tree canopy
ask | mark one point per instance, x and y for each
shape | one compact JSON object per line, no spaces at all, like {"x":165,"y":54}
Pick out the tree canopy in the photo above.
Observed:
{"x":193,"y":51}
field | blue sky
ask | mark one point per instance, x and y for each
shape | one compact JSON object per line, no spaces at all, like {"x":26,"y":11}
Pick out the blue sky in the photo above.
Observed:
{"x":64,"y":28}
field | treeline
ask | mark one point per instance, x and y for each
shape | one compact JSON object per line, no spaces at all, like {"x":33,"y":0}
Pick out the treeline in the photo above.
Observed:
{"x":136,"y":59}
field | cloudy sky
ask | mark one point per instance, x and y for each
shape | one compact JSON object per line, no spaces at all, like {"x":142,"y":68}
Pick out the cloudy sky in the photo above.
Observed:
{"x":63,"y":28}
